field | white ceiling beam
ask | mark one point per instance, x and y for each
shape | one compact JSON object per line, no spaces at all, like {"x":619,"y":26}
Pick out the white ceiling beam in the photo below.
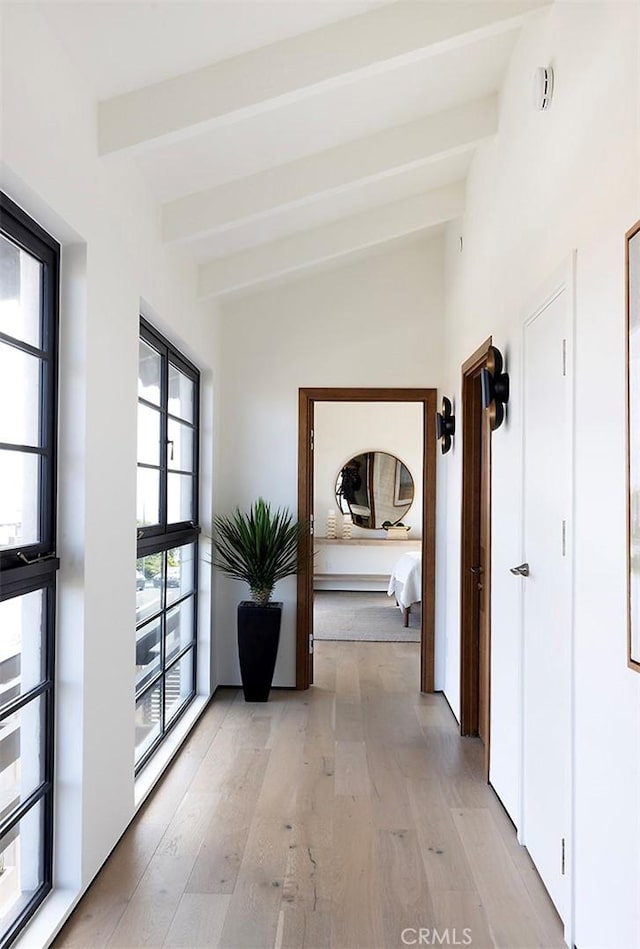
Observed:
{"x":292,"y":69}
{"x":331,"y":241}
{"x":392,"y":152}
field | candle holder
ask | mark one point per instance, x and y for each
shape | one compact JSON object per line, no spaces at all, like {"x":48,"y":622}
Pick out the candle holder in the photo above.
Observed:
{"x":332,"y":527}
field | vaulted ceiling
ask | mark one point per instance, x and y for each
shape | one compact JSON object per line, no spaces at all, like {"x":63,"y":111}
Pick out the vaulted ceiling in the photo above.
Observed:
{"x":278,"y":136}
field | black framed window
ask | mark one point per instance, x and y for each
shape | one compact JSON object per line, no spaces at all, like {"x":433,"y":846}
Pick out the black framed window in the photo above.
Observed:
{"x":167,"y":524}
{"x":29,"y":292}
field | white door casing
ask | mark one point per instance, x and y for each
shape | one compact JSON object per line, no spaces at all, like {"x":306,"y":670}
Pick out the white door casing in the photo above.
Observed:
{"x":547,"y":593}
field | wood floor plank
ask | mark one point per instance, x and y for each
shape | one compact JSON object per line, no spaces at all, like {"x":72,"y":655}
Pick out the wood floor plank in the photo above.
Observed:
{"x":279,"y":789}
{"x":406,"y":902}
{"x":357,"y":912}
{"x":352,"y":771}
{"x":292,"y":722}
{"x":253,"y":915}
{"x":254,"y":908}
{"x":389,"y":795}
{"x":163,"y":804}
{"x":223,"y":842}
{"x":437,"y":715}
{"x":348,"y":722}
{"x":183,"y":837}
{"x":510,"y":912}
{"x":255,"y":733}
{"x":92,"y":924}
{"x":325,"y":672}
{"x":320,"y":736}
{"x":393,"y":679}
{"x":445,"y":859}
{"x":198,"y":921}
{"x":462,"y":915}
{"x":314,"y":805}
{"x":305,"y":916}
{"x":216,"y":764}
{"x":347,"y":677}
{"x":237,"y":730}
{"x":386,"y":721}
{"x":148,"y":917}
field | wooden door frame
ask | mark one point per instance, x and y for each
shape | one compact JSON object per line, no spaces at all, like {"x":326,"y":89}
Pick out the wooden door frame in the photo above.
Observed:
{"x":306,"y":405}
{"x":471,"y":508}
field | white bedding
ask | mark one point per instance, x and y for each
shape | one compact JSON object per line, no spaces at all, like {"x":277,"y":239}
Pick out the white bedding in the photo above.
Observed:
{"x":405,"y":582}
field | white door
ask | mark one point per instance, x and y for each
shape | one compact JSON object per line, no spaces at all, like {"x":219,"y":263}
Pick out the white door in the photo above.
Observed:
{"x":546,"y":777}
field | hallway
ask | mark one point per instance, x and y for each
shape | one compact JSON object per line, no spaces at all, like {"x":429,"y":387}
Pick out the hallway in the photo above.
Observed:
{"x":338,"y":817}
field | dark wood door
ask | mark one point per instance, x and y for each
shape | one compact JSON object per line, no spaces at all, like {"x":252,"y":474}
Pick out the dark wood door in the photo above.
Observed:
{"x":304,"y":623}
{"x":483,"y":618}
{"x":475,"y":561}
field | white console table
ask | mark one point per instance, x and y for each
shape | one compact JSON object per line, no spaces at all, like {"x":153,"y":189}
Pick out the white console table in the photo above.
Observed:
{"x":357,"y":563}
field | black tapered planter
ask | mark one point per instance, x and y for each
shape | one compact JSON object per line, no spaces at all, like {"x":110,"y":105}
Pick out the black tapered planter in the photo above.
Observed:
{"x":258,"y":637}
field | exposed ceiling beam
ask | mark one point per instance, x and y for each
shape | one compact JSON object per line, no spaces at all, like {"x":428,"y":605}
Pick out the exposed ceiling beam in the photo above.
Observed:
{"x":392,"y":152}
{"x":291,"y":69}
{"x":321,"y":244}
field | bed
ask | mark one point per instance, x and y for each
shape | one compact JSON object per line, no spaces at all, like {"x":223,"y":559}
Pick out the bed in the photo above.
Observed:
{"x":405,"y":582}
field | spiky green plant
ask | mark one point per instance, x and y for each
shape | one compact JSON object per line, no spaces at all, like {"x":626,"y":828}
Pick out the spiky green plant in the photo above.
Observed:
{"x":259,"y":546}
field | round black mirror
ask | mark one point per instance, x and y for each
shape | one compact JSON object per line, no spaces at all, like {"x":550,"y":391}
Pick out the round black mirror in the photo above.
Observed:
{"x":375,"y":488}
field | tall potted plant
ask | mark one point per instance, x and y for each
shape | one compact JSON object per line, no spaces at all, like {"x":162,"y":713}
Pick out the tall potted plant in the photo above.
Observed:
{"x":260,"y":547}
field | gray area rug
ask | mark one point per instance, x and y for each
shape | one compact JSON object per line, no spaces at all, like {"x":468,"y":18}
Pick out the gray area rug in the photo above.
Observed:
{"x":362,"y":617}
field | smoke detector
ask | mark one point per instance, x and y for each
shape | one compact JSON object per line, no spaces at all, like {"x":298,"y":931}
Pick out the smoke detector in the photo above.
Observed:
{"x":543,"y":87}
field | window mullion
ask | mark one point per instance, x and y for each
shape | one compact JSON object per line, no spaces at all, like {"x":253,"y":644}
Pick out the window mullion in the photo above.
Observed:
{"x":164,"y":434}
{"x":43,"y":440}
{"x":163,"y":658}
{"x":195,"y":484}
{"x":48,"y":404}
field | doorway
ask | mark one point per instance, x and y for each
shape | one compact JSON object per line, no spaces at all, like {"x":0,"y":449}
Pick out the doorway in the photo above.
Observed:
{"x":304,"y":634}
{"x":475,"y":561}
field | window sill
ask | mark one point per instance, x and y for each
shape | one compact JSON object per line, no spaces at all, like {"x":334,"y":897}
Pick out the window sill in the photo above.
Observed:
{"x":154,"y":770}
{"x":45,"y":925}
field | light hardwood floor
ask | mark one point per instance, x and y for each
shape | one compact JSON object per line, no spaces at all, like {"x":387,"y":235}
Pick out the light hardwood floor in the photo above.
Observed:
{"x":337,"y":817}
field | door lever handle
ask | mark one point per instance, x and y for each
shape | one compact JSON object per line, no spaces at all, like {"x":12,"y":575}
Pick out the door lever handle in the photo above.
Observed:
{"x":522,"y":570}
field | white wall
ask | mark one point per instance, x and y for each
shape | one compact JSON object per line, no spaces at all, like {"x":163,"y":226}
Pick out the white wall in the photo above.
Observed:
{"x":568,"y":178}
{"x":374,"y":322}
{"x":345,"y":429}
{"x":112,"y":260}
